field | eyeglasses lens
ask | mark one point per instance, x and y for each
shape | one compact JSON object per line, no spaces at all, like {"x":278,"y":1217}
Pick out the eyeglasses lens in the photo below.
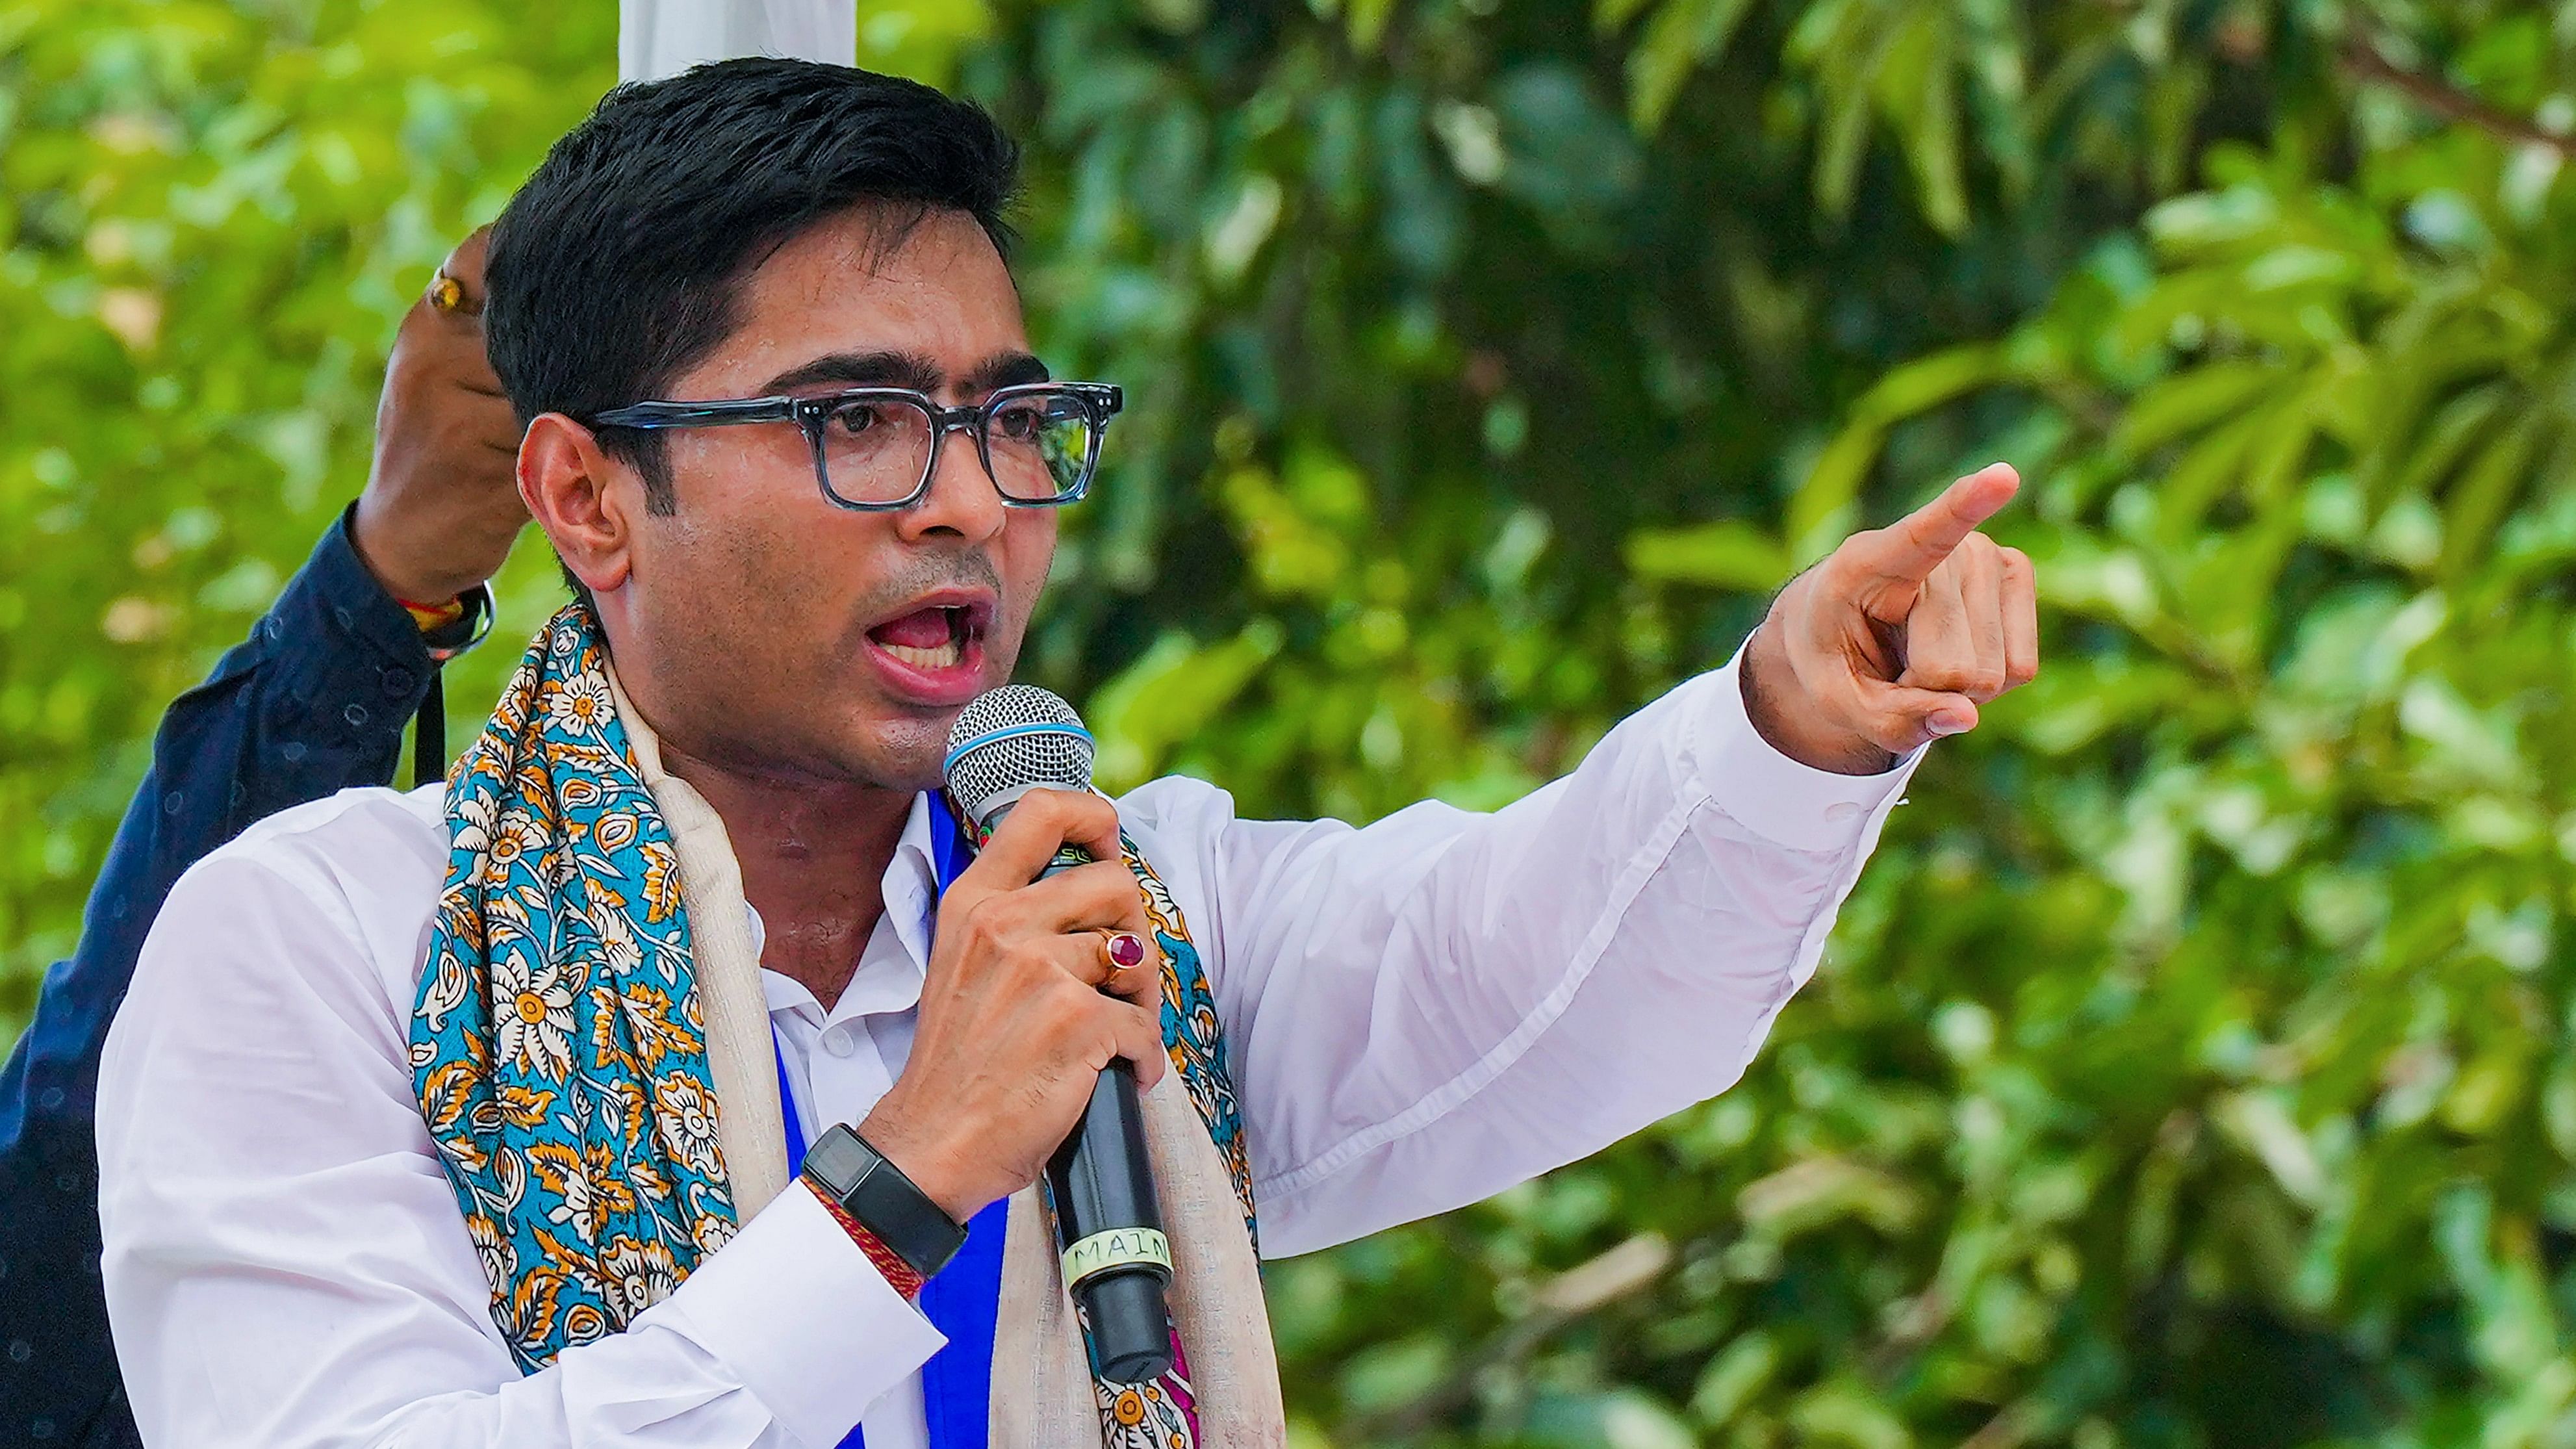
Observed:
{"x":1039,"y":446}
{"x":876,"y":451}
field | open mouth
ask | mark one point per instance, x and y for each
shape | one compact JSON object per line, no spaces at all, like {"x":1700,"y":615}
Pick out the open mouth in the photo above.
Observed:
{"x":937,"y":648}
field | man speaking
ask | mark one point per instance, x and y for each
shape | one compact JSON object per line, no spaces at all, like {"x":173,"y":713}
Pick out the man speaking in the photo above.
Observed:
{"x":477,"y":1116}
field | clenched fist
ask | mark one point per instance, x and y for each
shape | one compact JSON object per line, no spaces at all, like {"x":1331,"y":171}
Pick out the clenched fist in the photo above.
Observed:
{"x":442,"y":502}
{"x":1898,"y":636}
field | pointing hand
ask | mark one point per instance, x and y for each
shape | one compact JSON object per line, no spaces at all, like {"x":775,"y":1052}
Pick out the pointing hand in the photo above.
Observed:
{"x":1898,"y":636}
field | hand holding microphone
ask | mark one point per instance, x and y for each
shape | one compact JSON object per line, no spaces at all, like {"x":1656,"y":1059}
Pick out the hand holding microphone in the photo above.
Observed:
{"x":1027,"y":1058}
{"x":1015,"y":1024}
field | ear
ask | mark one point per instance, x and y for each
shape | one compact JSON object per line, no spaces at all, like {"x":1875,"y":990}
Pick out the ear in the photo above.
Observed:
{"x":586,"y":501}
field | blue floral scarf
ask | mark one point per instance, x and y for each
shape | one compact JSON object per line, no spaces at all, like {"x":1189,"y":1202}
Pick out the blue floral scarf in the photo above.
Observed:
{"x":558,"y":1046}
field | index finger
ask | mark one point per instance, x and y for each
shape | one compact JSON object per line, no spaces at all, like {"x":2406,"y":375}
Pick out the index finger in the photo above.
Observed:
{"x":1101,"y":896}
{"x":1909,"y":549}
{"x":1042,"y":822}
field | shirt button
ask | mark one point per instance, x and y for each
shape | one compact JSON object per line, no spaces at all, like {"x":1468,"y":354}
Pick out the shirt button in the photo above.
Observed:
{"x":355,"y":714}
{"x":398,"y":682}
{"x":51,"y":1099}
{"x":20,"y":1350}
{"x":837,"y":1041}
{"x":1841,"y":810}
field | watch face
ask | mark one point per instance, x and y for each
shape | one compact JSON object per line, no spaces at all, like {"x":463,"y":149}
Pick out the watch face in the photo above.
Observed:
{"x":840,"y":1161}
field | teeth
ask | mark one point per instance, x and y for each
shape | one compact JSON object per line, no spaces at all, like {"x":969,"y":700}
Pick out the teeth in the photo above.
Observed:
{"x":945,"y":656}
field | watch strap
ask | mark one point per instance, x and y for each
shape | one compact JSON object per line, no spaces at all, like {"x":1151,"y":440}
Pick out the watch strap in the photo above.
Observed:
{"x":867,"y":1189}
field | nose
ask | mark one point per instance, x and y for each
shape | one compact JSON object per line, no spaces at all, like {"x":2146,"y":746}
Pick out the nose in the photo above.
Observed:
{"x":962,"y":501}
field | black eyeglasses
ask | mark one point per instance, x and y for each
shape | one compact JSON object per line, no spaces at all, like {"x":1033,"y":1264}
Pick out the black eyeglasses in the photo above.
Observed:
{"x":875,"y":448}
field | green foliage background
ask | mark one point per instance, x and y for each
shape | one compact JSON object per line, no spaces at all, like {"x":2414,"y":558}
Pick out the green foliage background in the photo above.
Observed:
{"x":2194,"y":1065}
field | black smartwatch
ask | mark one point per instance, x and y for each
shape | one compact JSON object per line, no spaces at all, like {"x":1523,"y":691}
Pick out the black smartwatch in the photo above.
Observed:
{"x":845,"y":1169}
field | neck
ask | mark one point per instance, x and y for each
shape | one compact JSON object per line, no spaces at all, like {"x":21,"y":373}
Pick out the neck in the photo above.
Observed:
{"x":813,"y":859}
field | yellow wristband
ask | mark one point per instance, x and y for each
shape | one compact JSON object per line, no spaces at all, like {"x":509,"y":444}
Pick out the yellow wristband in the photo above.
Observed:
{"x":430,"y":618}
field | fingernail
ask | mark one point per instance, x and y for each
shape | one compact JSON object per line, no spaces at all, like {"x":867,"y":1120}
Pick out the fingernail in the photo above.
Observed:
{"x":1948,"y":722}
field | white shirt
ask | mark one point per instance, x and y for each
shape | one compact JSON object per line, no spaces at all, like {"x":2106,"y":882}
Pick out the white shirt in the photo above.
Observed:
{"x":1417,"y":1014}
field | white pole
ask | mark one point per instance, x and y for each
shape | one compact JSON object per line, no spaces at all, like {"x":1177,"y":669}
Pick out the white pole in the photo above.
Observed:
{"x":656,"y":38}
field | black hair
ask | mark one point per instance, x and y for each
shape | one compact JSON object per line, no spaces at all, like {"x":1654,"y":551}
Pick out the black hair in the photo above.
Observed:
{"x":620,"y":264}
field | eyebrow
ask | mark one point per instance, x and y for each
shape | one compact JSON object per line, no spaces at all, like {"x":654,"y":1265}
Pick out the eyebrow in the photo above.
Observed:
{"x":907,"y":369}
{"x":1005,"y":369}
{"x":860,"y":369}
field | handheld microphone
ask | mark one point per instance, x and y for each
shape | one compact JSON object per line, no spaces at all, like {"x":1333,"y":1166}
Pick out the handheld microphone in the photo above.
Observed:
{"x":1109,"y":1231}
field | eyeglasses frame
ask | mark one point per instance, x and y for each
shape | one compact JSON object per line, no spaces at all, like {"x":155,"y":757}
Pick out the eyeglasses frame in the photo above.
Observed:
{"x":1100,"y":401}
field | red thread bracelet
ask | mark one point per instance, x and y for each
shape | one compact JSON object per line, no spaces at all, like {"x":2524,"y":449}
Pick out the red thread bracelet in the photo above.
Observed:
{"x":902,"y":1275}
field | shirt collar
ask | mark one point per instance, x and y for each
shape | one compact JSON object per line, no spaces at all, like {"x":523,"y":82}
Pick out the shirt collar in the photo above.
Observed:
{"x":911,"y":892}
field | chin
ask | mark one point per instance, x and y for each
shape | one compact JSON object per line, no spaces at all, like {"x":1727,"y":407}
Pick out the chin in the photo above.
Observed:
{"x":904,"y":754}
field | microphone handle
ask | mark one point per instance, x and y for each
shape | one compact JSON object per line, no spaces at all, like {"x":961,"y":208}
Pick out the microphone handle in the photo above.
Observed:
{"x":1103,"y":1185}
{"x":1104,"y":1195}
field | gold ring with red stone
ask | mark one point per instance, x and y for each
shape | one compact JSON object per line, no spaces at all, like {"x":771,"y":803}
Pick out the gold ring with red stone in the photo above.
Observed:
{"x":1123,"y":950}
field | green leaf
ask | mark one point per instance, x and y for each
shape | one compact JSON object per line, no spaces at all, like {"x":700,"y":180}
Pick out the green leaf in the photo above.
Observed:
{"x":1730,"y":554}
{"x":1919,"y":88}
{"x":1685,"y":36}
{"x":2487,"y":486}
{"x":1833,"y":483}
{"x":2189,"y":401}
{"x":1168,"y":696}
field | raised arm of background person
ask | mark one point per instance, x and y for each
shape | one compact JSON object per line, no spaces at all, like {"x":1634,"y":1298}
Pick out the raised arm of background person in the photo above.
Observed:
{"x":1428,"y":1010}
{"x":292,"y":1270}
{"x":313,"y":702}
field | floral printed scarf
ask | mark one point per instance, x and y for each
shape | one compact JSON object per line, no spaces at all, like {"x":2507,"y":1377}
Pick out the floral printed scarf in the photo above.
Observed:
{"x":558,"y":1047}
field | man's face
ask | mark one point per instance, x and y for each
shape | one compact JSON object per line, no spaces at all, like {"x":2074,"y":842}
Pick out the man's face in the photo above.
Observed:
{"x":785,"y":636}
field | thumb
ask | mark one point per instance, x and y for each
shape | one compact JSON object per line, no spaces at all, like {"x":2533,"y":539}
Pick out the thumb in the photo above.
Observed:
{"x":1905,"y":718}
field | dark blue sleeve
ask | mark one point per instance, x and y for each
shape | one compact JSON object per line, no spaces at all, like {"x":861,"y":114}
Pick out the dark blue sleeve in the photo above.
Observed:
{"x":313,"y":702}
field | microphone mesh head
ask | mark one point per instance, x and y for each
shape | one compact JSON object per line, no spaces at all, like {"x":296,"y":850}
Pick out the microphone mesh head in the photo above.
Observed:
{"x":1009,"y":740}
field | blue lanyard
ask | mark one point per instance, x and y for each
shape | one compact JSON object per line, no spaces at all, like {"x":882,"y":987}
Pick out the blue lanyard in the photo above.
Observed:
{"x":963,"y":1301}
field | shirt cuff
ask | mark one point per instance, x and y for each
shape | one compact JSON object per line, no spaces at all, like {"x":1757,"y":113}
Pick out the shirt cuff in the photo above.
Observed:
{"x":1772,"y":795}
{"x":802,"y":1318}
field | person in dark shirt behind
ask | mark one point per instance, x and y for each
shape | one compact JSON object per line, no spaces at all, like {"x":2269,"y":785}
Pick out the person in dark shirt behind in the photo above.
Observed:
{"x":314,"y":701}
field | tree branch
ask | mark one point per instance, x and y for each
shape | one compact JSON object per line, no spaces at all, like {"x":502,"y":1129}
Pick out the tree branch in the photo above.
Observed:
{"x":2363,"y":61}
